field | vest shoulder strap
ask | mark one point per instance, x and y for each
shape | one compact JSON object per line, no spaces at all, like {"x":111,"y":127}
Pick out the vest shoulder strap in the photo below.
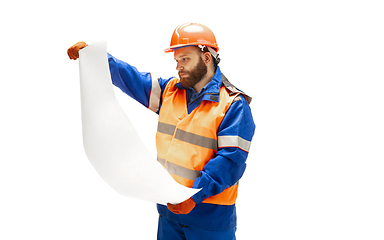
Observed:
{"x":232,"y":89}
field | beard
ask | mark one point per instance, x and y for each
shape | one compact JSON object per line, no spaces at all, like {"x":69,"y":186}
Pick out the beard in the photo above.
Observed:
{"x":195,"y":75}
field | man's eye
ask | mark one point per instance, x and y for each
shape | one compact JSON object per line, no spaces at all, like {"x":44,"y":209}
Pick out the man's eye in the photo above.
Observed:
{"x":182,"y":60}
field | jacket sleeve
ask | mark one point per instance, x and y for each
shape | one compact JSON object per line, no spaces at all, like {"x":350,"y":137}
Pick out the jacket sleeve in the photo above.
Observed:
{"x":227,"y":167}
{"x":144,"y":87}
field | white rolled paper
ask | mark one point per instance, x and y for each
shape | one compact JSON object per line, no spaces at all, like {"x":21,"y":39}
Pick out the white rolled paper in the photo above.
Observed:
{"x":112,"y":144}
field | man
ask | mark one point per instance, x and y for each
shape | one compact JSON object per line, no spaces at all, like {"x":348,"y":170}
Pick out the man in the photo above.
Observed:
{"x":204,"y":132}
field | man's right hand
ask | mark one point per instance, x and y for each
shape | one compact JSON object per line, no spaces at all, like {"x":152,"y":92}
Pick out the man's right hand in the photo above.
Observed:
{"x":73,"y":52}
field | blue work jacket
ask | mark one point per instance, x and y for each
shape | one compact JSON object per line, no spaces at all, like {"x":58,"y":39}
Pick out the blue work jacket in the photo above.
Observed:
{"x":232,"y":161}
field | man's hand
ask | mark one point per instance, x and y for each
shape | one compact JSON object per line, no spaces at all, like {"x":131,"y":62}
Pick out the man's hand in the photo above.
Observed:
{"x":73,"y":52}
{"x":183,"y":207}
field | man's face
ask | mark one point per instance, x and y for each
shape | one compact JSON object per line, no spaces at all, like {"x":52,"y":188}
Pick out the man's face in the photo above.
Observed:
{"x":190,"y":66}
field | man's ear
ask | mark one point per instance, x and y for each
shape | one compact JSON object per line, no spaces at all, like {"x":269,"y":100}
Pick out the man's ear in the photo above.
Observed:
{"x":207,"y":57}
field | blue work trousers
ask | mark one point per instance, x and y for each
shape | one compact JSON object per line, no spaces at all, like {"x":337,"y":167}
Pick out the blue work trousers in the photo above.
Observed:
{"x":170,"y":230}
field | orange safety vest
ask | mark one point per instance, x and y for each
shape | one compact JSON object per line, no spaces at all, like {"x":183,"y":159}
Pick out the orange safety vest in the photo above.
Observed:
{"x":186,"y":142}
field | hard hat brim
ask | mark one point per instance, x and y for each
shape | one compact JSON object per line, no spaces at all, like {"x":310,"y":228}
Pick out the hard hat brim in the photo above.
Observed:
{"x":174,"y":47}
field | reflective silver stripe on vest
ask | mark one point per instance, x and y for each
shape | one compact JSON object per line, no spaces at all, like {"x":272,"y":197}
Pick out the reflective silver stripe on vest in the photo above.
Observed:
{"x":154,"y":97}
{"x":166,"y":128}
{"x":179,"y":170}
{"x":188,"y":137}
{"x":234,"y":141}
{"x":195,"y":139}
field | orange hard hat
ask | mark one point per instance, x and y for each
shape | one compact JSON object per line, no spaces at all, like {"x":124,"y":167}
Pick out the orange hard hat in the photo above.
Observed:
{"x":192,"y":34}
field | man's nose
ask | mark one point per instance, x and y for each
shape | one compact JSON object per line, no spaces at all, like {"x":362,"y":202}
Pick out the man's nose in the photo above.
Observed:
{"x":179,"y":67}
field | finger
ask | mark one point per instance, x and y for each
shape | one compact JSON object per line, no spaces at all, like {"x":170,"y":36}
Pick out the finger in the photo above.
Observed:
{"x":70,"y":54}
{"x":173,"y":208}
{"x":74,"y":54}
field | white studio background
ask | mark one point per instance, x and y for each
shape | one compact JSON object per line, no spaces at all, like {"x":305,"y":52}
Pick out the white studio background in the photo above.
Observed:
{"x":314,"y":69}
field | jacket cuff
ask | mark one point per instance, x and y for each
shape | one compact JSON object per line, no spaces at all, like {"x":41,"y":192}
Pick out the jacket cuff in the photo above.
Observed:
{"x":197,"y":198}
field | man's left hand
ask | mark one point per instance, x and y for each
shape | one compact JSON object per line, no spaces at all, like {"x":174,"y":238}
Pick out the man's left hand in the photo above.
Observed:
{"x":183,"y":207}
